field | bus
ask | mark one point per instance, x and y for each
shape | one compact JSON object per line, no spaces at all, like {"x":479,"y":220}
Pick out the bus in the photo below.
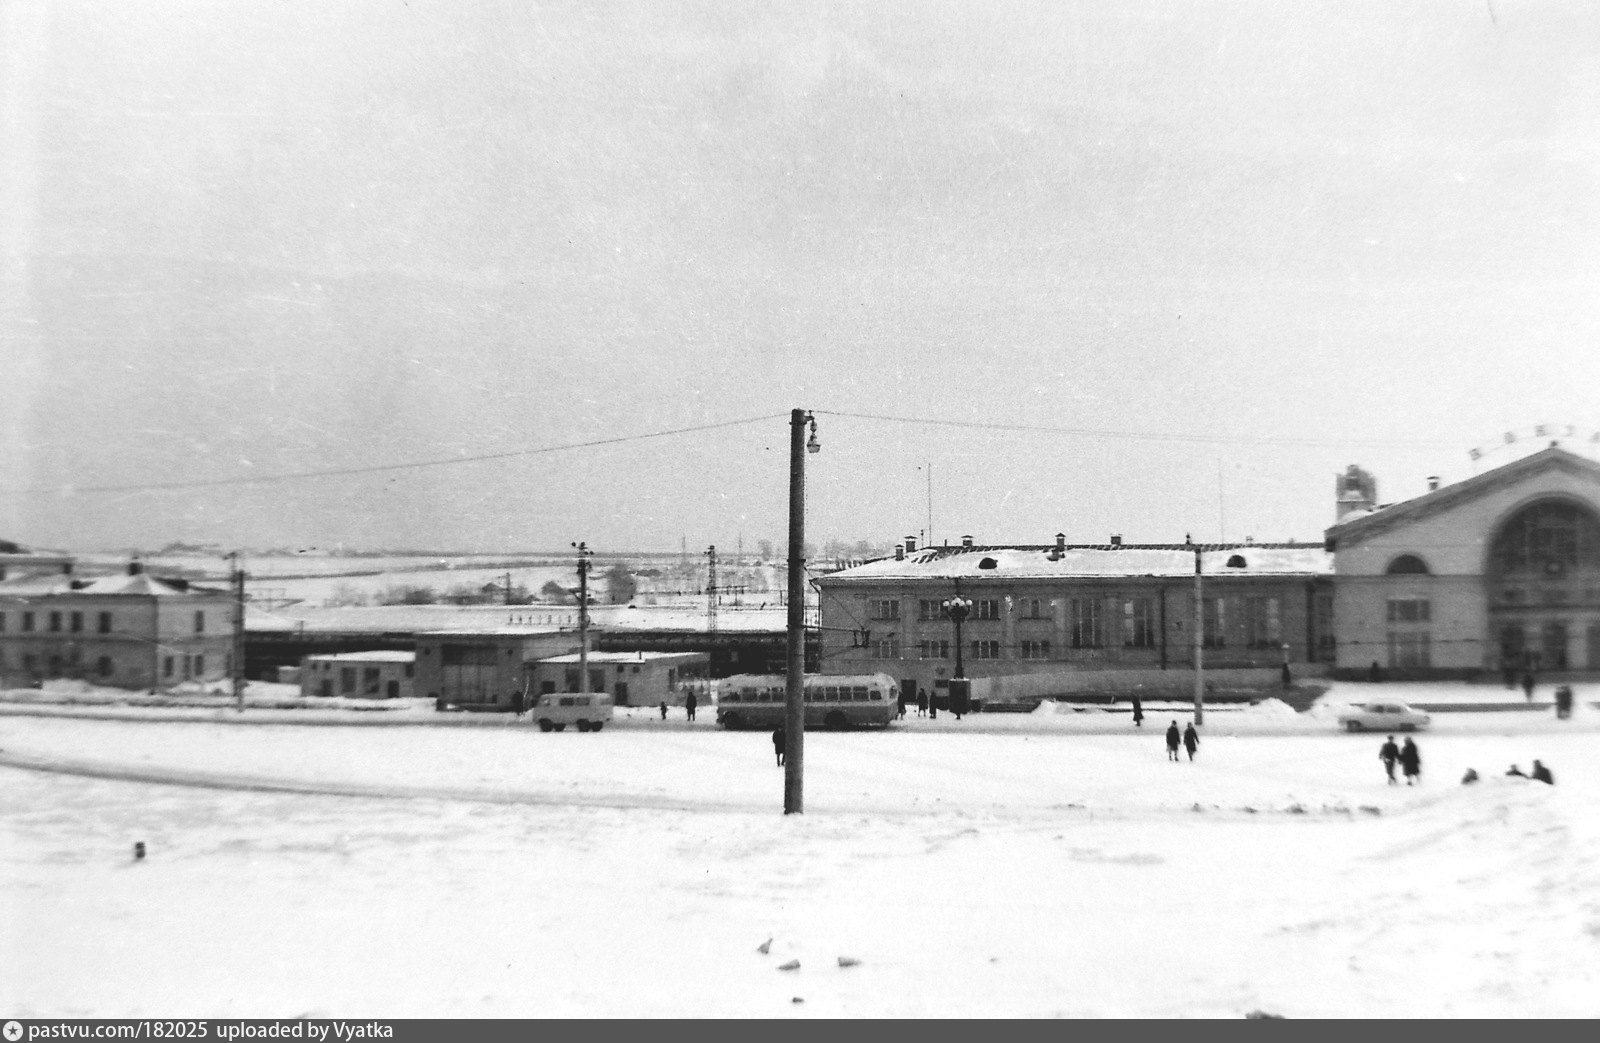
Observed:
{"x":556,"y":710}
{"x":832,"y":701}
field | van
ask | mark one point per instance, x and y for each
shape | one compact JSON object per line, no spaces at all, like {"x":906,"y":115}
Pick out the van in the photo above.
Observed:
{"x":553,"y":712}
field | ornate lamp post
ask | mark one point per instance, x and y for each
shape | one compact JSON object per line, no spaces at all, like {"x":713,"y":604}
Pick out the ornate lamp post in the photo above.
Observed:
{"x":957,"y":608}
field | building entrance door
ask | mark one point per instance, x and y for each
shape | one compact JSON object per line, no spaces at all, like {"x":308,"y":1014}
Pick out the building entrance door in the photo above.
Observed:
{"x":1554,"y":640}
{"x":1594,"y":646}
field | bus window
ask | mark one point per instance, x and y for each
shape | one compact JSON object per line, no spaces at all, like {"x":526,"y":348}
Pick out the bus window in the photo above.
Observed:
{"x":859,"y":694}
{"x":811,"y":696}
{"x":831,"y":694}
{"x":876,"y":696}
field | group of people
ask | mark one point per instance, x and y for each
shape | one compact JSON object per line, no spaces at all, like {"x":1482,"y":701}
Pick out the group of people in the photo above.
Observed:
{"x":925,"y":706}
{"x":1408,"y":757}
{"x":1190,"y":740}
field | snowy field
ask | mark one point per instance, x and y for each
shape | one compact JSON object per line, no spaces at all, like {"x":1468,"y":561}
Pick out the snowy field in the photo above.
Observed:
{"x":1005,"y":866}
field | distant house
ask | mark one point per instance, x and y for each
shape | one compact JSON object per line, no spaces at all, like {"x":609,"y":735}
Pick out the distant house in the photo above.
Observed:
{"x":359,"y":675}
{"x":128,"y":631}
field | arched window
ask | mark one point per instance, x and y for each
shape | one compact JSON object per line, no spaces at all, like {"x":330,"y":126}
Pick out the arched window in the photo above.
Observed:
{"x":1407,"y":565}
{"x":1549,"y":538}
{"x":1237,"y":562}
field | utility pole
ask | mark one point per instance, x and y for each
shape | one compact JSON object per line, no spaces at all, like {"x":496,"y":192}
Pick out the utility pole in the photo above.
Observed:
{"x":236,"y":660}
{"x":794,"y":691}
{"x":711,"y":589}
{"x":1199,"y":641}
{"x":508,"y":588}
{"x":584,"y":554}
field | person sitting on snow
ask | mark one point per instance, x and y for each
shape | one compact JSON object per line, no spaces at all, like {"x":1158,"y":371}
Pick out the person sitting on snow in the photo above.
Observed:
{"x":1542,"y":774}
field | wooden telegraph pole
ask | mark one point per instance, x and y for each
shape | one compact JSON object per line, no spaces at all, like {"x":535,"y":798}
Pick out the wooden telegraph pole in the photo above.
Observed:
{"x":794,"y":692}
{"x":584,"y":554}
{"x":236,"y":660}
{"x":1199,"y":640}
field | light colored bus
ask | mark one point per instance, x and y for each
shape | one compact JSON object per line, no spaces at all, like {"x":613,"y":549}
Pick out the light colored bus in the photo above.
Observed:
{"x":554,"y":711}
{"x":842,"y":701}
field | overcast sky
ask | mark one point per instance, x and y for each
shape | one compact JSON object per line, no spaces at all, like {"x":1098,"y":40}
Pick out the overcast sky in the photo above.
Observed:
{"x":269,"y":238}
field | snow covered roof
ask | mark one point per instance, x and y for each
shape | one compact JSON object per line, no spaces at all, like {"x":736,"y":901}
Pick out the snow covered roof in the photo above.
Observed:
{"x":407,"y":619}
{"x":655,"y":617}
{"x":121,"y":585}
{"x":392,"y":656}
{"x":1093,"y":561}
{"x":623,"y":657}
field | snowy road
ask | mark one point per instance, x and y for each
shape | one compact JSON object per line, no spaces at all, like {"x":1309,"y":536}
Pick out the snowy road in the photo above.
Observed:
{"x":1017,"y":872}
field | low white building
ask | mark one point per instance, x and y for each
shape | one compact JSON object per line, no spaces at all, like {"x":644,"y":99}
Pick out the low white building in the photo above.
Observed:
{"x":359,"y":675}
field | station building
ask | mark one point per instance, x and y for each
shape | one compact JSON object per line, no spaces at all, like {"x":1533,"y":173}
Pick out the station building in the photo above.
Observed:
{"x":1499,"y":572}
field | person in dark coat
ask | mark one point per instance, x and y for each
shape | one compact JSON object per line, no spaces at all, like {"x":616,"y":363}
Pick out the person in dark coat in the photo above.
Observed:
{"x":1470,"y":777}
{"x":1509,"y":671}
{"x":1516,"y":772}
{"x":900,"y":706}
{"x":1411,"y":762}
{"x":1288,"y":677}
{"x":780,"y":742}
{"x":663,"y":709}
{"x":1191,"y":739}
{"x":1172,"y":741}
{"x":1542,"y":774}
{"x":1138,"y":712}
{"x":1527,"y":685}
{"x":1390,"y":755}
{"x":1375,"y":672}
{"x":689,"y":703}
{"x":922,"y":702}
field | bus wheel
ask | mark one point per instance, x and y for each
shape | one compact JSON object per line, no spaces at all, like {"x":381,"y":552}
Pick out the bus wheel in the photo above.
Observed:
{"x":596,"y":726}
{"x":583,"y":725}
{"x":561,"y":727}
{"x":545,"y":725}
{"x":834,"y":721}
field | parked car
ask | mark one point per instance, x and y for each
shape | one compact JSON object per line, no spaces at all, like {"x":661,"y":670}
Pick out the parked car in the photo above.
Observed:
{"x":1383,"y":716}
{"x":589,"y":712}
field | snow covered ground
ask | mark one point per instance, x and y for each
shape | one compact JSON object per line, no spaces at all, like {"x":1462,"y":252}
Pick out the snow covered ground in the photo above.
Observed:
{"x":1003,"y":865}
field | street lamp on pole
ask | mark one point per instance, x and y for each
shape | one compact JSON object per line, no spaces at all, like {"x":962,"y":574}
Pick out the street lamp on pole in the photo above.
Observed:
{"x":957,"y":608}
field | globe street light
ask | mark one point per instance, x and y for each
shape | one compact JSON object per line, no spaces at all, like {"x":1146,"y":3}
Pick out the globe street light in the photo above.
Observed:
{"x":957,"y":608}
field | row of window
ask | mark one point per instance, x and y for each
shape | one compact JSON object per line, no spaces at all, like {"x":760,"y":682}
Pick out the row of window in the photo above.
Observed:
{"x":57,"y":665}
{"x":71,"y":622}
{"x":1261,"y":622}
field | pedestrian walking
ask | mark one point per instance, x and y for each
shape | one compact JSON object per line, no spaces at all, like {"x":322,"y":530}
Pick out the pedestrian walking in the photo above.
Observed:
{"x":1172,"y":741}
{"x":780,"y":741}
{"x":1542,"y":774}
{"x":663,"y":709}
{"x":900,"y":705}
{"x":1389,"y":753}
{"x":1527,"y":685}
{"x":1509,"y":672}
{"x":1411,"y":762}
{"x":1375,"y":672}
{"x":922,"y":702}
{"x":1191,"y":739}
{"x":1138,"y":712}
{"x":689,"y":703}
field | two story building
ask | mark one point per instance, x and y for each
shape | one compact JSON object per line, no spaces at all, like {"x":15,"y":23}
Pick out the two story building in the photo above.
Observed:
{"x":127,"y":631}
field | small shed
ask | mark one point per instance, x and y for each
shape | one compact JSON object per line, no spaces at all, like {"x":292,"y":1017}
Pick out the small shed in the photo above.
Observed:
{"x":359,"y":675}
{"x":630,"y":678}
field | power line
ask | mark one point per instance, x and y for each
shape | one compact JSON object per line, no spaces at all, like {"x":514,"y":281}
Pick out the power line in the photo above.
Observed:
{"x":1151,"y":436}
{"x":379,"y":468}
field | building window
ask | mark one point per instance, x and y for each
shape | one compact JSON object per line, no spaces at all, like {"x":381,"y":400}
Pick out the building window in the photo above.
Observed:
{"x":1088,"y":630}
{"x":1215,"y":634}
{"x":1262,"y":626}
{"x":1033,"y":608}
{"x":105,"y":622}
{"x":199,"y":622}
{"x":888,"y":647}
{"x":933,"y":649}
{"x":886,"y":608}
{"x":55,"y":622}
{"x":986,"y":650}
{"x":30,"y":663}
{"x":371,"y":680}
{"x":103,"y":666}
{"x":1407,"y":565}
{"x":1409,"y":610}
{"x":1036,"y":650}
{"x":986,"y":608}
{"x":1138,"y":623}
{"x":347,"y":680}
{"x":27,"y":621}
{"x":927,"y":610}
{"x":1410,"y":649}
{"x":75,"y":622}
{"x":167,"y":666}
{"x":199,"y":666}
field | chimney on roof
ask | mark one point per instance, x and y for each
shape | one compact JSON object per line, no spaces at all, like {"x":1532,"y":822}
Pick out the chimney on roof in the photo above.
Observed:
{"x":1061,"y":547}
{"x":966,"y":541}
{"x":1116,"y":539}
{"x":911,"y":544}
{"x":135,"y":567}
{"x":1433,"y":482}
{"x":899,"y":552}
